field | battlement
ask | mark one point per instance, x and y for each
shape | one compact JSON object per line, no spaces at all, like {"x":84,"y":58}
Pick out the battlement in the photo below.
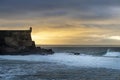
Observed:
{"x":29,"y":30}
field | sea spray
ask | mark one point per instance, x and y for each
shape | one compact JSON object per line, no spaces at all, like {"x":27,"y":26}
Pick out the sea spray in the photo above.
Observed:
{"x":112,"y":54}
{"x":71,"y":60}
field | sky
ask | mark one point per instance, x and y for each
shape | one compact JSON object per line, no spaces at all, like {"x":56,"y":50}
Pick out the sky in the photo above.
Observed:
{"x":64,"y":22}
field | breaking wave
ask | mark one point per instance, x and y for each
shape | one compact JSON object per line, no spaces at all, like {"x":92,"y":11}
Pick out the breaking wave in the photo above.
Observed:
{"x":72,"y":60}
{"x":112,"y":54}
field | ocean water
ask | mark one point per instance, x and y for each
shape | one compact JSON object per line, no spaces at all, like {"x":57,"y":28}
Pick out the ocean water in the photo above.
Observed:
{"x":109,"y":60}
{"x":88,"y":50}
{"x":61,"y":66}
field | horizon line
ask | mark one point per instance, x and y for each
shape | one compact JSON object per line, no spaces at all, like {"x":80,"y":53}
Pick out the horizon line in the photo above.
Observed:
{"x":82,"y":45}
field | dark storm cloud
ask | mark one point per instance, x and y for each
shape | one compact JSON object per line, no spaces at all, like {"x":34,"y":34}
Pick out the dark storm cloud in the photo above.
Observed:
{"x":15,"y":24}
{"x":74,"y":8}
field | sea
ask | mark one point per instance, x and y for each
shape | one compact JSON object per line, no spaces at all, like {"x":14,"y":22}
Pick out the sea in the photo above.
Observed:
{"x":62,"y":65}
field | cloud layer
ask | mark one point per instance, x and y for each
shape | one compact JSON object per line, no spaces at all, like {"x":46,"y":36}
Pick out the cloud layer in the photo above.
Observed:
{"x":85,"y":9}
{"x":72,"y":21}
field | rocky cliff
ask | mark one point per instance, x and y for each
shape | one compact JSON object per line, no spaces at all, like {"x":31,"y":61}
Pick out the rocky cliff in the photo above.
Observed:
{"x":17,"y":41}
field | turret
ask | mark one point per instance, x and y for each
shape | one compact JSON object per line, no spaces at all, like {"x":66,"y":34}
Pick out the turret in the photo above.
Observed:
{"x":30,"y":29}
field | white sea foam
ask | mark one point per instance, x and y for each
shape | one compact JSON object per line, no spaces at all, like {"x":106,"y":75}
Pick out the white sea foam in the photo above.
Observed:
{"x":113,"y":54}
{"x":72,"y":60}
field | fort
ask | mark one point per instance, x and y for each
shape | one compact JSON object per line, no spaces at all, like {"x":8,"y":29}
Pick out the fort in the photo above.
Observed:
{"x":19,"y":42}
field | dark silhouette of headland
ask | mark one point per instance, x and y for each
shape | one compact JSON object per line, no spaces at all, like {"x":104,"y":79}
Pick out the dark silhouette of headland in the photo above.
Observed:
{"x":19,"y":42}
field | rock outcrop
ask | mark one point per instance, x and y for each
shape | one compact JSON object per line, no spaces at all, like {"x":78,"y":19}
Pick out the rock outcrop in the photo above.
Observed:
{"x":19,"y":42}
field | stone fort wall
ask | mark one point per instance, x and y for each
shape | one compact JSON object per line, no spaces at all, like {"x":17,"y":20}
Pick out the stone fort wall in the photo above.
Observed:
{"x":16,"y":40}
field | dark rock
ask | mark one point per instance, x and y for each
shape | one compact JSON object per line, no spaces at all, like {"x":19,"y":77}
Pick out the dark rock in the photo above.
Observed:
{"x":74,"y":53}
